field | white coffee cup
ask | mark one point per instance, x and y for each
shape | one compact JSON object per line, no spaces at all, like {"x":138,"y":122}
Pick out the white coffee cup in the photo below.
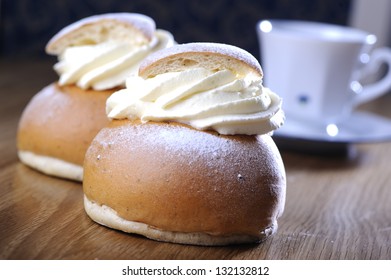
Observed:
{"x":316,"y":67}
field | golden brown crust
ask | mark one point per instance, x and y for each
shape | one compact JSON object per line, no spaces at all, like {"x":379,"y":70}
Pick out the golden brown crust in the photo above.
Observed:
{"x":175,"y":178}
{"x":60,"y":122}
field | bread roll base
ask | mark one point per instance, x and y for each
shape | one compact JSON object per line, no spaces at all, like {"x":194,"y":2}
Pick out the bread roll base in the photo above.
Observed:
{"x":108,"y":217}
{"x":57,"y":126}
{"x":52,"y":166}
{"x":171,"y":182}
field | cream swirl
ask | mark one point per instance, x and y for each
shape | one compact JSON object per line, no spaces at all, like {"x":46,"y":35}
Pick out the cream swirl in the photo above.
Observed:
{"x":202,"y":99}
{"x":106,"y":65}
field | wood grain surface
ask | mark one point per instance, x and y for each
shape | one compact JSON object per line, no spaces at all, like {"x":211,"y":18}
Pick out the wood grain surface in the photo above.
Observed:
{"x":336,"y":207}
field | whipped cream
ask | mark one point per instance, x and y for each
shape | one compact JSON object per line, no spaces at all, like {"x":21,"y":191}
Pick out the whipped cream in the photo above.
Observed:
{"x":106,"y":65}
{"x":203,"y":99}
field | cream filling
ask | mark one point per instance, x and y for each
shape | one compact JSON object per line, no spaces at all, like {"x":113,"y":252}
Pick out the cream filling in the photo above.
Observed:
{"x":106,"y":65}
{"x":203,"y":99}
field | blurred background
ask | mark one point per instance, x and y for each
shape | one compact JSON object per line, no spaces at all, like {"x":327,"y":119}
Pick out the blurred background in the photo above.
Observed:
{"x":27,"y":25}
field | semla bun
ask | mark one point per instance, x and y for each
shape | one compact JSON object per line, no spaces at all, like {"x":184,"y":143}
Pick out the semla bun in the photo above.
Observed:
{"x":171,"y":182}
{"x":60,"y":121}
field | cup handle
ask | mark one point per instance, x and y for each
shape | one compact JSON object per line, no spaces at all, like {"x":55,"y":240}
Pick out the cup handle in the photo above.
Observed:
{"x":380,"y":87}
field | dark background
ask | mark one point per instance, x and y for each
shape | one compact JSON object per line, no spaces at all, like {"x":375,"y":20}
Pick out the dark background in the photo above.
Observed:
{"x":26,"y":25}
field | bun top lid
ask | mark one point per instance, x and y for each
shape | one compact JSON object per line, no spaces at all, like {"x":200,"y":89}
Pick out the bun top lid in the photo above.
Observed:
{"x":212,"y":56}
{"x":131,"y":27}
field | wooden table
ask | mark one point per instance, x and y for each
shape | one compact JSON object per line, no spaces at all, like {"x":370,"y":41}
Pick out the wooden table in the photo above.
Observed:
{"x":336,"y":208}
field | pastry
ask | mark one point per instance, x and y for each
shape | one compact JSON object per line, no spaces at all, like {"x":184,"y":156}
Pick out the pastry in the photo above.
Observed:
{"x":96,"y":55}
{"x":188,"y":157}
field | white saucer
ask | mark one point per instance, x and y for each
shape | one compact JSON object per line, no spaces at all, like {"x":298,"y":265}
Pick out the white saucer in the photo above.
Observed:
{"x":359,"y":127}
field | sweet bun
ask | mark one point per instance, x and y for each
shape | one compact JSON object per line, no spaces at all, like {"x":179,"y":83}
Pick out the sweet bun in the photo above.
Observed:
{"x":60,"y":121}
{"x":132,"y":27}
{"x":171,"y":182}
{"x":57,"y":127}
